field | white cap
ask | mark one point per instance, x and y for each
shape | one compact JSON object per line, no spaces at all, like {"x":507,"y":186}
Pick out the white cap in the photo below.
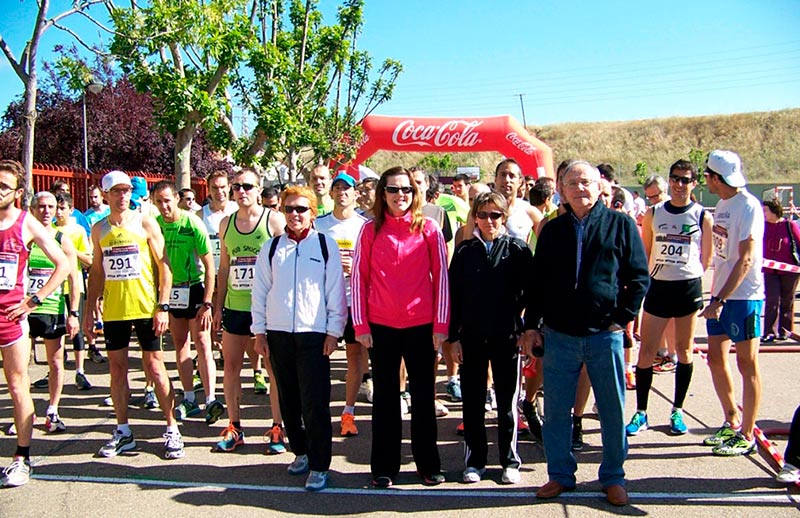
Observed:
{"x":728,"y":165}
{"x":115,"y":178}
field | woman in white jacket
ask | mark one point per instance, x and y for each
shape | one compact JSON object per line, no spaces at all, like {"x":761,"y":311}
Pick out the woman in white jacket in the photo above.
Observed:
{"x":299,"y":311}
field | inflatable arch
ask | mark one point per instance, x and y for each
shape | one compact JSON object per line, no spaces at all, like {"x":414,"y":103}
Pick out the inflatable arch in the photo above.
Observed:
{"x":456,"y":135}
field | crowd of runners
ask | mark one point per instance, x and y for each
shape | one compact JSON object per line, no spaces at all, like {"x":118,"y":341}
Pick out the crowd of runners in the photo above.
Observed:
{"x":393,"y":268}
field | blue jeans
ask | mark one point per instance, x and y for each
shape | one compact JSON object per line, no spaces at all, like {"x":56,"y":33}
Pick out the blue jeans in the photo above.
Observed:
{"x":564,"y":355}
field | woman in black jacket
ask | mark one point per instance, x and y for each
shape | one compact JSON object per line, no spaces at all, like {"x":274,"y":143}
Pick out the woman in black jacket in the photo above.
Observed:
{"x":490,"y":277}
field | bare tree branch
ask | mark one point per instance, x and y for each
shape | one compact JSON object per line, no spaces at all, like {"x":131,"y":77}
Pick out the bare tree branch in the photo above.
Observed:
{"x":79,"y":40}
{"x":227,"y":123}
{"x":77,"y":8}
{"x":177,"y":59}
{"x":17,"y":66}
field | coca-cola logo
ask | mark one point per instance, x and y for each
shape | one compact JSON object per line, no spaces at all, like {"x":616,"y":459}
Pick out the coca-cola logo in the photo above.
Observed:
{"x":453,"y":133}
{"x":521,"y":144}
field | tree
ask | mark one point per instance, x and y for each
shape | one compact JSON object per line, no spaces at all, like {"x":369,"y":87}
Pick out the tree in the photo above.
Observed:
{"x":640,"y":172}
{"x":182,"y":52}
{"x":307,"y":86}
{"x":25,"y":68}
{"x":438,"y":162}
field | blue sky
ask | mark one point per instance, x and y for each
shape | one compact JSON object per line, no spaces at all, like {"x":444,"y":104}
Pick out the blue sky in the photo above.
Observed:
{"x":572,"y":61}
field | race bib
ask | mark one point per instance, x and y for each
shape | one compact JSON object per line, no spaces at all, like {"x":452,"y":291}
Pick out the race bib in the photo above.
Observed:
{"x":8,"y":270}
{"x":37,"y":277}
{"x":215,"y":250}
{"x":672,"y":249}
{"x":122,"y":263}
{"x":242,"y":272}
{"x":179,"y":297}
{"x":720,"y":234}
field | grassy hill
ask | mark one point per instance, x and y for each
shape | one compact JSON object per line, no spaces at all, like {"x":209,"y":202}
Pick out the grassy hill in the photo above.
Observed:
{"x":768,"y":142}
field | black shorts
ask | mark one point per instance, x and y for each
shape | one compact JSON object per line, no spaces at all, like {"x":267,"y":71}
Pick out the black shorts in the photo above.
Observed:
{"x":196,"y":294}
{"x":349,"y":335}
{"x":674,"y":299}
{"x":48,"y":327}
{"x":118,"y":334}
{"x":236,"y":322}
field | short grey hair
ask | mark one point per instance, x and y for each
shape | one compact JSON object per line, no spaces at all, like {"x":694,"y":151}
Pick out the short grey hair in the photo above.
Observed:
{"x":657,"y":180}
{"x":41,"y":194}
{"x":577,"y":163}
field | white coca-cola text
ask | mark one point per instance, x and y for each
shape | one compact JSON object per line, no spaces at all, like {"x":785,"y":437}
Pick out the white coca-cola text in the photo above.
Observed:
{"x":521,"y":144}
{"x":453,"y":133}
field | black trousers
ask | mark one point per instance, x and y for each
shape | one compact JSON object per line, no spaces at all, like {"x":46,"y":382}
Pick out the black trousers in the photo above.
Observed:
{"x":415,"y":346}
{"x":504,"y":357}
{"x":303,"y":374}
{"x":792,"y":455}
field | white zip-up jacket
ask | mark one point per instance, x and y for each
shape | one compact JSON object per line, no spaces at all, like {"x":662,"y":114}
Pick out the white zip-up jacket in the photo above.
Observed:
{"x":299,"y":292}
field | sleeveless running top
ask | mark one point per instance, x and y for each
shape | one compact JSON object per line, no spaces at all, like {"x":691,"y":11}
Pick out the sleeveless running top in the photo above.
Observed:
{"x":40,"y":269}
{"x":212,"y":221}
{"x":13,"y":261}
{"x":130,"y":289}
{"x":677,"y":234}
{"x":519,"y":224}
{"x":243,"y":250}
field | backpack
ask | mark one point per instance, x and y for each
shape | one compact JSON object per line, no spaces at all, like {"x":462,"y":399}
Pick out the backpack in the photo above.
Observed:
{"x":323,"y":245}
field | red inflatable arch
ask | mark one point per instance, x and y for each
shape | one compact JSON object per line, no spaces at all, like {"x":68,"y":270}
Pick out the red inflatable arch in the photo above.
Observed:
{"x":458,"y":134}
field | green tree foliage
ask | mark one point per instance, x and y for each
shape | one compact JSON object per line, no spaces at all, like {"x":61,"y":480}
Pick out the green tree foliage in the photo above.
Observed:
{"x":182,"y":51}
{"x":640,"y":172}
{"x":307,"y":85}
{"x":440,"y":162}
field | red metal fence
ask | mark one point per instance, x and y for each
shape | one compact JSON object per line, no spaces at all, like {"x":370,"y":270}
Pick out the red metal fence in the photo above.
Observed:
{"x":79,"y":181}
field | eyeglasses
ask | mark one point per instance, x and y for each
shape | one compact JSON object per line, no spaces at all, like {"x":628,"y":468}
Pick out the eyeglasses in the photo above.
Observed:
{"x":583,"y":182}
{"x":246,"y":186}
{"x":653,"y":197}
{"x":393,"y":189}
{"x":683,"y":180}
{"x":493,"y":215}
{"x":4,"y":187}
{"x":288,"y":209}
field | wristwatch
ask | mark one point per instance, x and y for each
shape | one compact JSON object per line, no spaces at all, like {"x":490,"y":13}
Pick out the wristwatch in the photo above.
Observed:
{"x":162,"y":307}
{"x":36,"y":300}
{"x":74,"y":313}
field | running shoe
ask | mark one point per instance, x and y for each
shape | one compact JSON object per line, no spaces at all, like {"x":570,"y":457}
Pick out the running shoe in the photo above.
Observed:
{"x":638,"y":424}
{"x":768,"y":339}
{"x":231,"y":438}
{"x":349,"y":428}
{"x":117,"y":444}
{"x":736,"y":445}
{"x":510,"y":476}
{"x":405,"y":403}
{"x":630,"y":379}
{"x":214,"y":411}
{"x":454,"y":391}
{"x":522,"y":426}
{"x":382,"y":482}
{"x":789,"y":474}
{"x":42,"y":383}
{"x":149,"y":400}
{"x":667,"y":366}
{"x":299,"y":465}
{"x":197,"y":381}
{"x":53,"y":424}
{"x":491,"y":400}
{"x":173,"y":446}
{"x":81,"y":382}
{"x":366,"y":389}
{"x":577,"y":436}
{"x":276,"y":439}
{"x":18,"y":473}
{"x":460,"y":428}
{"x":186,"y":409}
{"x":472,"y":475}
{"x":441,"y":410}
{"x":259,"y":383}
{"x":317,"y":480}
{"x":434,"y":479}
{"x":95,"y":356}
{"x":676,"y":424}
{"x":720,"y":436}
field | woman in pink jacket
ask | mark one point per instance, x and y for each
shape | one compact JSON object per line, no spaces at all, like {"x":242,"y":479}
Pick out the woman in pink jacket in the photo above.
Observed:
{"x":401,"y":309}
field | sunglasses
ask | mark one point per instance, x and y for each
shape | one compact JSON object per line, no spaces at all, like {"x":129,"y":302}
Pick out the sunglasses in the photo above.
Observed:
{"x":288,"y":209}
{"x":246,"y":186}
{"x":683,"y":180}
{"x":653,"y":197}
{"x":393,"y":189}
{"x":272,"y":206}
{"x":494,"y":215}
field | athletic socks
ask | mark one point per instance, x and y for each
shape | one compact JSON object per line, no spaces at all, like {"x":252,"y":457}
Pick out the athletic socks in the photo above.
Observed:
{"x":644,"y":380}
{"x":683,"y":377}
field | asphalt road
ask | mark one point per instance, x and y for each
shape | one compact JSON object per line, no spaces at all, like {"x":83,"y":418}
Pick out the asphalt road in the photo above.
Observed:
{"x":667,"y":476}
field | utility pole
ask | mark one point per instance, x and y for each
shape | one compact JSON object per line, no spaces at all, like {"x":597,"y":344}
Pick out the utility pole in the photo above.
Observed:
{"x":522,"y":105}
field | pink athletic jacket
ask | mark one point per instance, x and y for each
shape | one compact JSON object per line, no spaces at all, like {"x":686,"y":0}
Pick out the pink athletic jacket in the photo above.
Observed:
{"x":399,"y":278}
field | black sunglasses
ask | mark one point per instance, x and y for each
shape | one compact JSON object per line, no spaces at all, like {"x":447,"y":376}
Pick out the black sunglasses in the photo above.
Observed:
{"x":494,"y":215}
{"x":683,"y":180}
{"x":245,"y":186}
{"x":392,"y":189}
{"x":288,"y":209}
